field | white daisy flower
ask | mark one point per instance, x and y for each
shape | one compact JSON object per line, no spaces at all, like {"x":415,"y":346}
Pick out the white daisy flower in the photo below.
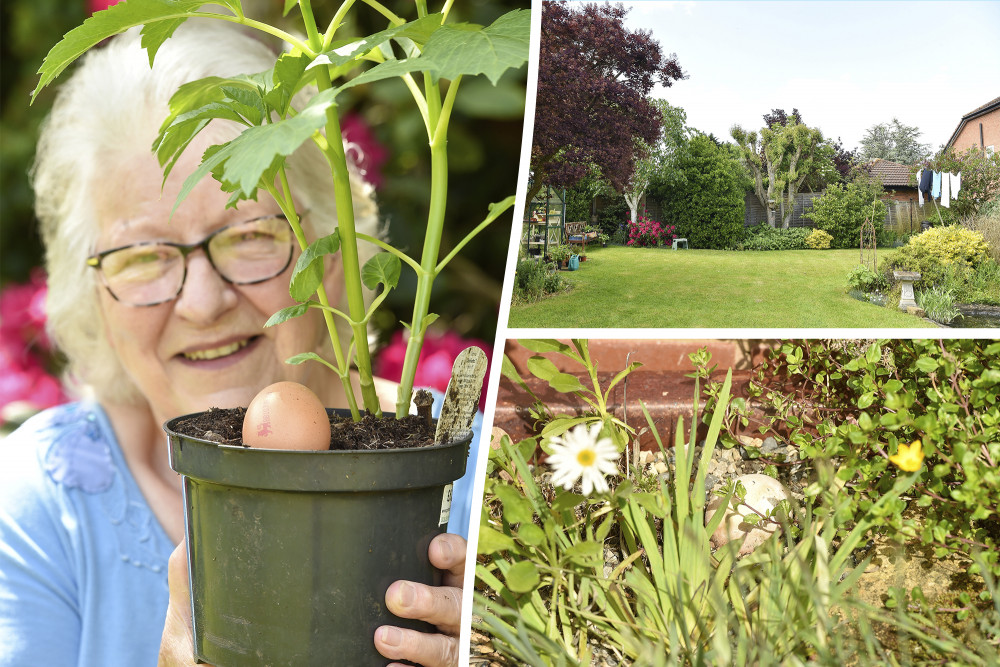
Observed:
{"x":581,"y":453}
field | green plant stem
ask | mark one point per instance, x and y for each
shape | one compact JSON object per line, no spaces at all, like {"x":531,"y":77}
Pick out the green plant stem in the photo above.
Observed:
{"x":334,"y":151}
{"x":343,"y":369}
{"x":432,"y":242}
{"x":336,"y":22}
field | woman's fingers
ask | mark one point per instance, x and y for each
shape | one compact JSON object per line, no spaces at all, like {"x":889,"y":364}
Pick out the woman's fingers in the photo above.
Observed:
{"x":419,"y":647}
{"x":176,"y":645}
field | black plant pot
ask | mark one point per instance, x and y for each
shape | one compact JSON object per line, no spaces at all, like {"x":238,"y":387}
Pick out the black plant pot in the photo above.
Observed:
{"x":290,"y":552}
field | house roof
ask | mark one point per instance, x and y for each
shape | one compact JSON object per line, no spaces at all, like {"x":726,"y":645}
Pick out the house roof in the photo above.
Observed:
{"x":992,"y":105}
{"x":893,"y":174}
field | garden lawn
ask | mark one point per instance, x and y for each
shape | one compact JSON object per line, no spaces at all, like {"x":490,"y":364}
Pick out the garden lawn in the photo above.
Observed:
{"x":657,"y":287}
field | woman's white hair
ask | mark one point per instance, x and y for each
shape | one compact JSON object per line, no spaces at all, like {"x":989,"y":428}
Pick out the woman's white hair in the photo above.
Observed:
{"x":112,"y":105}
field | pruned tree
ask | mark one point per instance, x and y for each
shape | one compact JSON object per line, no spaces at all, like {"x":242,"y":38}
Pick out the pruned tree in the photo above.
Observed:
{"x":895,"y":142}
{"x":780,"y":158}
{"x":594,"y":77}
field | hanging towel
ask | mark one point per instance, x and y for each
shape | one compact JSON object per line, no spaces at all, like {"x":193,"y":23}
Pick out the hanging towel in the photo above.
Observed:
{"x":936,"y":185}
{"x":946,"y":189}
{"x":956,"y":184}
{"x":925,"y":182}
{"x":920,"y":193}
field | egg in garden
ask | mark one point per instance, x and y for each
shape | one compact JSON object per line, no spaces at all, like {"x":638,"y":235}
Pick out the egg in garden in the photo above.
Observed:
{"x":286,"y":415}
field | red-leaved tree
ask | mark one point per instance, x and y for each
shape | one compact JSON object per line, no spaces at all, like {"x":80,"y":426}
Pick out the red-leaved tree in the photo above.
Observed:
{"x":594,"y":77}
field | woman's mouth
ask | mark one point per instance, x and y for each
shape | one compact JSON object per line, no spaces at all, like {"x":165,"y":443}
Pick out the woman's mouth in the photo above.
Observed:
{"x":209,"y":354}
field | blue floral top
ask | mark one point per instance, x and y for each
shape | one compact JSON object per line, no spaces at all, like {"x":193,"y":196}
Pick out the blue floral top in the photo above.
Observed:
{"x":83,"y":560}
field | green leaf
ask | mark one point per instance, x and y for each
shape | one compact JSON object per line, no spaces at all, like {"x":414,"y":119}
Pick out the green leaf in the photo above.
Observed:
{"x":382,"y":268}
{"x":585,"y":553}
{"x":523,"y":577}
{"x":530,"y":534}
{"x":466,"y":49}
{"x":286,"y":77}
{"x":308,"y":273}
{"x":286,"y":314}
{"x":303,"y":358}
{"x":544,"y":345}
{"x":927,"y":364}
{"x":492,"y":541}
{"x":259,"y":150}
{"x":116,"y":19}
{"x":516,"y":508}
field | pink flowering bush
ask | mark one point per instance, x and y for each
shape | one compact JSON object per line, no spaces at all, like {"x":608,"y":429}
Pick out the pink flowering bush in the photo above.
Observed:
{"x":434,"y":365}
{"x":26,"y":383}
{"x":648,"y":233}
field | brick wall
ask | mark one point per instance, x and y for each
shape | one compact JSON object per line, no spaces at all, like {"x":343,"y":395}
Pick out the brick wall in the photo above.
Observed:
{"x":970,"y":134}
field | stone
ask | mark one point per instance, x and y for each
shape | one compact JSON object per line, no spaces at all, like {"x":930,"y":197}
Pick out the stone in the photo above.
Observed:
{"x":906,"y":280}
{"x":763,"y":495}
{"x":916,"y":310}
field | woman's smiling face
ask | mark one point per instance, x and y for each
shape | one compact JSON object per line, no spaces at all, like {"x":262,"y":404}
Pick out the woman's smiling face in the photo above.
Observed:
{"x":208,"y":347}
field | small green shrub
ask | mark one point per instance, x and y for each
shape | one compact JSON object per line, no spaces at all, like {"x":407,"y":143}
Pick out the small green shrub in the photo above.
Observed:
{"x":939,"y":304}
{"x":987,"y":223}
{"x":842,"y":210}
{"x":939,"y":254}
{"x":765,"y":237}
{"x":818,"y":240}
{"x":534,"y":279}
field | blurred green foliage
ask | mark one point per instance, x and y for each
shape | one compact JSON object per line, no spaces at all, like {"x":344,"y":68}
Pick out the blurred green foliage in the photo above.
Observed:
{"x":484,"y":151}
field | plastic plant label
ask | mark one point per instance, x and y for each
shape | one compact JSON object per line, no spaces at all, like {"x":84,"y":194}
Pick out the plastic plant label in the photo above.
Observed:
{"x":445,"y":505}
{"x":462,"y":396}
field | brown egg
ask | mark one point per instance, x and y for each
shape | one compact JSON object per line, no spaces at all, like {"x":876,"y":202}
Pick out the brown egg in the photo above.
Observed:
{"x":286,"y":415}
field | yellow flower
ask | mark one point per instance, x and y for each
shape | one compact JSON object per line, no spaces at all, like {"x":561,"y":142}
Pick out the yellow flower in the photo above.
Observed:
{"x":909,"y":457}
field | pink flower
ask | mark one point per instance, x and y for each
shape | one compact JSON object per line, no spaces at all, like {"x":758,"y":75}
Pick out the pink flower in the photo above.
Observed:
{"x":436,"y":359}
{"x":366,"y":151}
{"x":98,"y":5}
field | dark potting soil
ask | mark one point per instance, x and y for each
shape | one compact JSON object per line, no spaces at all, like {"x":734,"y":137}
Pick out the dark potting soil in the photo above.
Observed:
{"x":225,"y":426}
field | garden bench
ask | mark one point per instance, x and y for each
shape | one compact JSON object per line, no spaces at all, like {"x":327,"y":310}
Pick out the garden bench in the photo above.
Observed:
{"x":678,"y":242}
{"x":576,"y":236}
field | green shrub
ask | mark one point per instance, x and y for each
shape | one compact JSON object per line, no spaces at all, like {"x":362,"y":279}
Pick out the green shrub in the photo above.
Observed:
{"x":939,"y":254}
{"x":765,"y":237}
{"x":818,"y":240}
{"x":534,"y":279}
{"x":705,"y":201}
{"x":842,"y":210}
{"x":987,"y":223}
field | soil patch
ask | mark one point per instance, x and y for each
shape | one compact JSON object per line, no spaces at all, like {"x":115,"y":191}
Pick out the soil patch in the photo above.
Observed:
{"x":225,"y":426}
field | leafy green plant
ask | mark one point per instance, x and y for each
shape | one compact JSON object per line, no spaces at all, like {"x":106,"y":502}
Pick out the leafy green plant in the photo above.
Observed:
{"x":864,"y":279}
{"x":938,"y":303}
{"x":429,"y":55}
{"x":860,"y":401}
{"x":560,"y":253}
{"x":594,"y":396}
{"x":534,"y":279}
{"x":939,"y":254}
{"x":569,"y":579}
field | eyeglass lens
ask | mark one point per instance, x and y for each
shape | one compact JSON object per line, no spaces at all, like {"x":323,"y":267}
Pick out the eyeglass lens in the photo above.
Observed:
{"x":243,"y":253}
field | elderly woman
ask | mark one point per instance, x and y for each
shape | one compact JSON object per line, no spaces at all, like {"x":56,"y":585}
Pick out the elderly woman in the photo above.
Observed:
{"x":90,"y":510}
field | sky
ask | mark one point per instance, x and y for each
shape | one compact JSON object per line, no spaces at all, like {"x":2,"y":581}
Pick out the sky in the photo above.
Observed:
{"x":845,"y":66}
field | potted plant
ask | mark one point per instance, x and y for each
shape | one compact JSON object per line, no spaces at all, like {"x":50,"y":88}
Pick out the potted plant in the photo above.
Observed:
{"x":560,"y":254}
{"x":285,"y":496}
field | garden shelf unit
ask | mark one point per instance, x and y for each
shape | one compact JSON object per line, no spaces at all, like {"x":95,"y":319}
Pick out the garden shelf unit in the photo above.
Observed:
{"x":544,"y":221}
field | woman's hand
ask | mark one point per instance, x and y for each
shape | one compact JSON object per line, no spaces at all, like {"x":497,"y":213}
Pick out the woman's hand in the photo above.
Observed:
{"x":440,"y":606}
{"x":177,"y":643}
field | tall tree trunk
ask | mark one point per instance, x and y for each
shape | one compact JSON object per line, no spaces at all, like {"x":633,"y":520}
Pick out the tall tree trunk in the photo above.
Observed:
{"x":633,"y":204}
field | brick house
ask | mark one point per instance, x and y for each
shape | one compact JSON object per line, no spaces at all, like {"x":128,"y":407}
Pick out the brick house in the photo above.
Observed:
{"x":903,"y":211}
{"x":980,"y":127}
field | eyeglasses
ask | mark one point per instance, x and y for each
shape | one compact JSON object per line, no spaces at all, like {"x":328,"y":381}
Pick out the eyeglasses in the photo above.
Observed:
{"x":153,"y":272}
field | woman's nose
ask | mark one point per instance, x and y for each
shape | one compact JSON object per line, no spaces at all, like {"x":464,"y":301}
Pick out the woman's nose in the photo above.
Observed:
{"x":205,"y":295}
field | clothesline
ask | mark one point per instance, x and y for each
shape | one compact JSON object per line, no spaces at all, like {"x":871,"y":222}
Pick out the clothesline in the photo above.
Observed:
{"x":936,"y":184}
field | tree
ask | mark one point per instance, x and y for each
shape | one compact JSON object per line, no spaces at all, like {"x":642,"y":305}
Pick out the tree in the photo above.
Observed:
{"x":704,"y":196}
{"x":780,"y":158}
{"x":652,"y":159}
{"x":594,"y":77}
{"x":894,"y":142}
{"x":843,"y":209}
{"x":980,"y":177}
